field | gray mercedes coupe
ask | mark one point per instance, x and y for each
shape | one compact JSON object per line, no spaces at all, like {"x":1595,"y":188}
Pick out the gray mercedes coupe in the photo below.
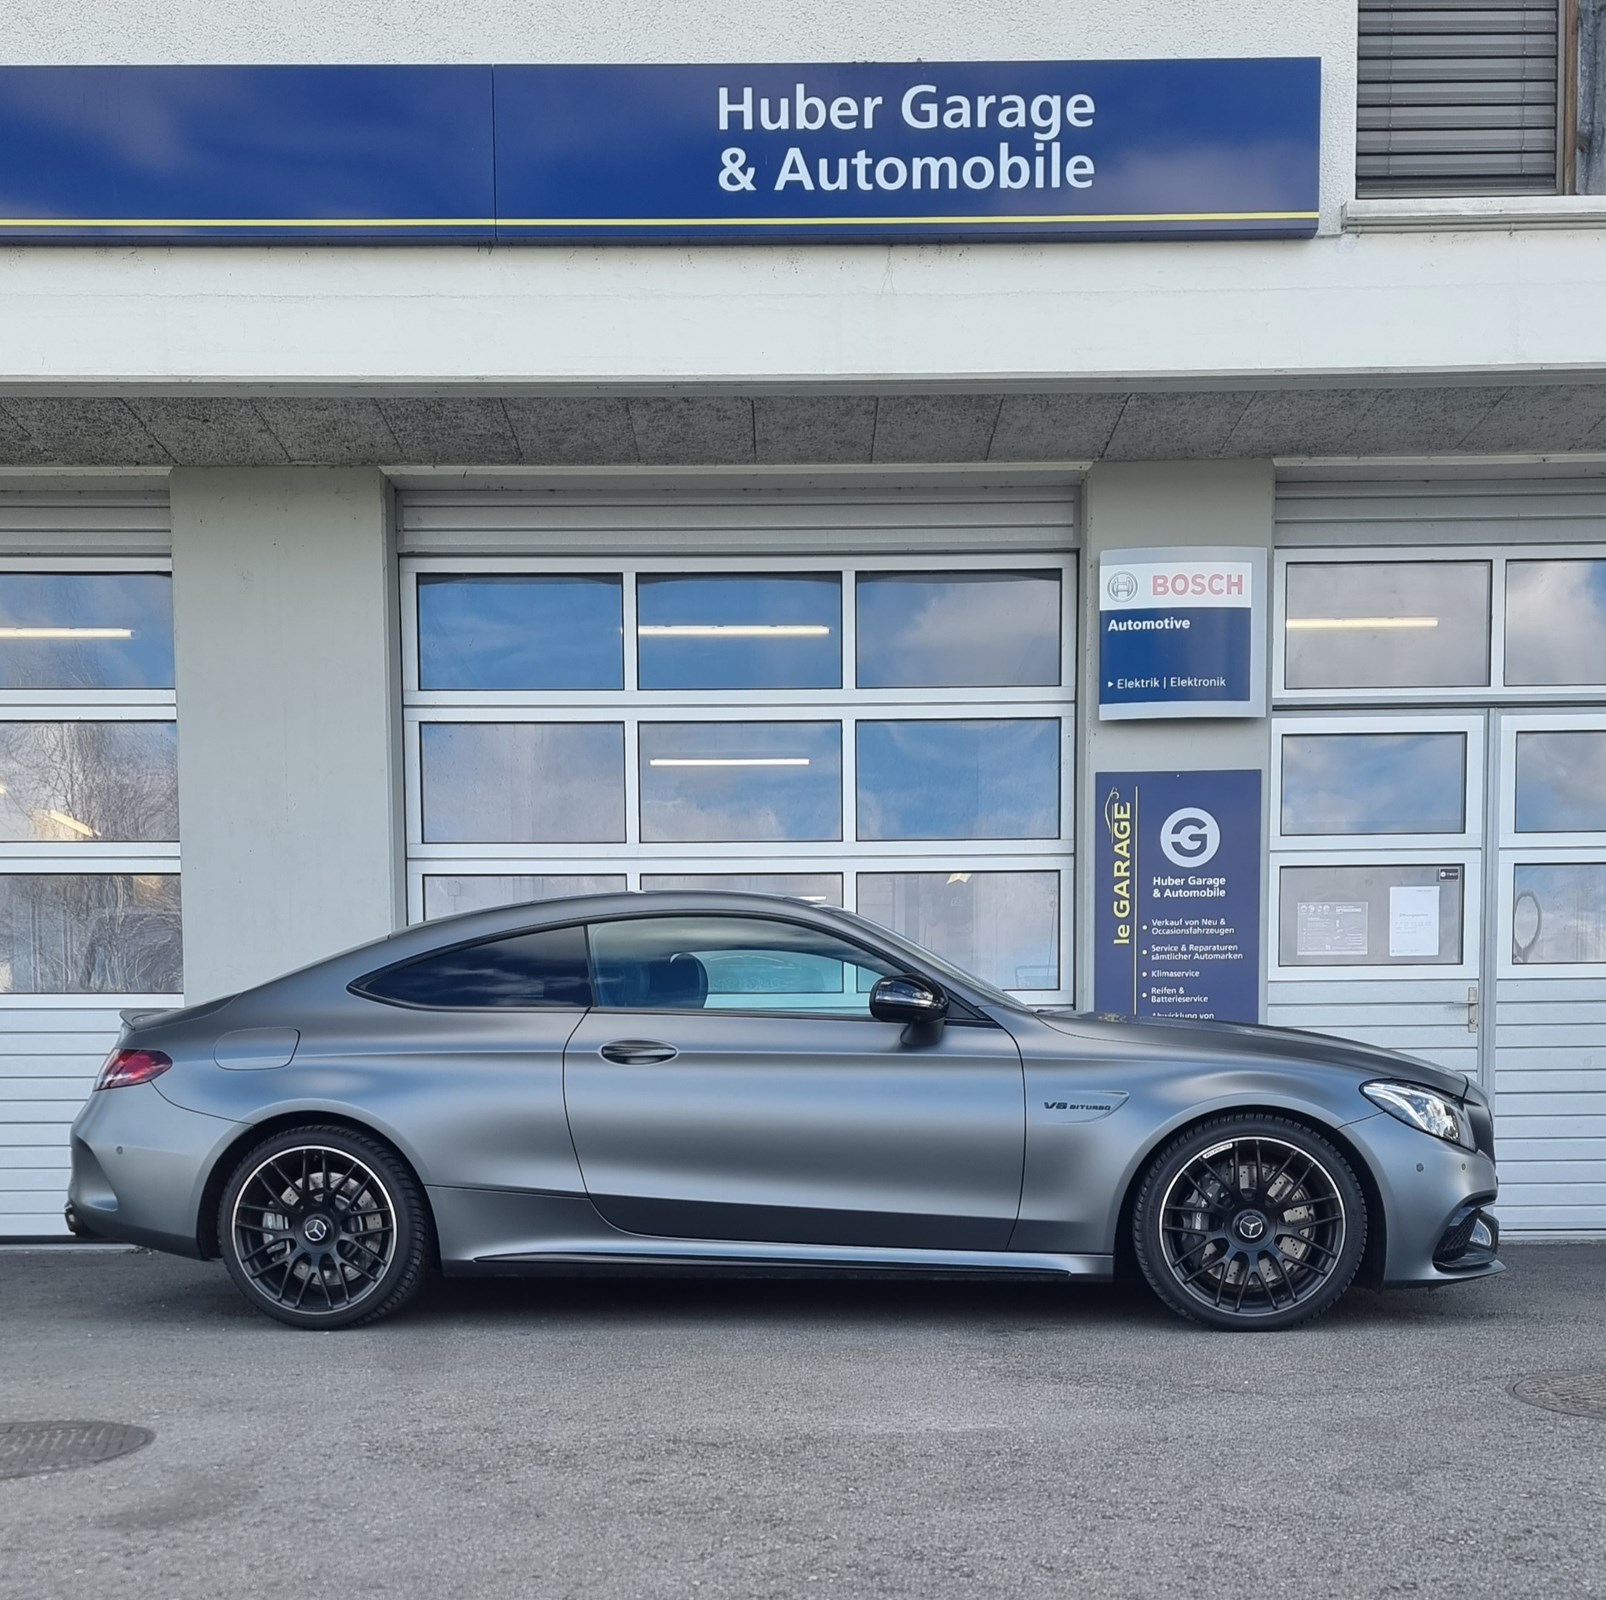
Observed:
{"x":734,"y":1082}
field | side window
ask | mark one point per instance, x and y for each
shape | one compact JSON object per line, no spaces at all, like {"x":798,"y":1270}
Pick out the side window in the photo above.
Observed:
{"x":543,"y":968}
{"x":701,"y":963}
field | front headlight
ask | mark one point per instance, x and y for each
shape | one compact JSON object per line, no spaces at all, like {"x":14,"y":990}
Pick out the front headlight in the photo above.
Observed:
{"x":1422,"y":1108}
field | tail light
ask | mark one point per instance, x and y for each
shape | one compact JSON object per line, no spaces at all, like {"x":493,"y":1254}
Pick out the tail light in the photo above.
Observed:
{"x":124,"y":1067}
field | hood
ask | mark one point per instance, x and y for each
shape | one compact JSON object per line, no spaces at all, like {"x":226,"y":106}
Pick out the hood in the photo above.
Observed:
{"x":1248,"y":1041}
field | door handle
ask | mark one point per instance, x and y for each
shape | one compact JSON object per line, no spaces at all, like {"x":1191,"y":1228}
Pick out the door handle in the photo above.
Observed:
{"x":1472,"y":1008}
{"x":638,"y":1052}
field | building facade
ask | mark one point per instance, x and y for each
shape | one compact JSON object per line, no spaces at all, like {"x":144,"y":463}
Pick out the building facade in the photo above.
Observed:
{"x":344,"y":585}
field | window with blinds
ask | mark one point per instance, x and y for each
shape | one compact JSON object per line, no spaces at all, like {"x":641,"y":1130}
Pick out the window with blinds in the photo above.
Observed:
{"x":1458,"y":97}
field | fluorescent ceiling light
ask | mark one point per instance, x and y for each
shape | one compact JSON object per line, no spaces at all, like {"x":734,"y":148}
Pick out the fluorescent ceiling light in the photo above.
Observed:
{"x":1331,"y":623}
{"x":728,"y":761}
{"x":66,"y":633}
{"x":71,"y":822}
{"x":733,"y":630}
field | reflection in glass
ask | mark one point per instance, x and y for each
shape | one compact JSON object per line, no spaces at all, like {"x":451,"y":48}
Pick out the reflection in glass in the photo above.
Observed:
{"x":945,"y":630}
{"x":517,"y":631}
{"x":1561,"y":781}
{"x":74,"y":782}
{"x":959,"y":780}
{"x":1369,"y":916}
{"x":1003,"y":926}
{"x":86,"y":630}
{"x":523,"y":782}
{"x":446,"y":896}
{"x":1387,"y":624}
{"x":1359,"y":783}
{"x":819,"y":888}
{"x":709,"y":781}
{"x":772,"y":632}
{"x":692,"y":963}
{"x":90,"y":933}
{"x":1555,"y":622}
{"x":1558,"y":913}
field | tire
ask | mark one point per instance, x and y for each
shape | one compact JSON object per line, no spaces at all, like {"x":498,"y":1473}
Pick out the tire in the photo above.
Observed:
{"x":321,"y":1227}
{"x":1250,"y":1222}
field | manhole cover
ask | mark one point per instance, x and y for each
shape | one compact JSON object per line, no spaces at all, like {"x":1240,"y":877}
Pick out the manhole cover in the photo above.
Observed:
{"x":1579,"y":1394}
{"x":30,"y":1447}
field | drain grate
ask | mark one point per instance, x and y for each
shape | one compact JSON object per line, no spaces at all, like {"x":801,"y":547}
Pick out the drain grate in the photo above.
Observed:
{"x":1578,"y":1394}
{"x":30,"y":1447}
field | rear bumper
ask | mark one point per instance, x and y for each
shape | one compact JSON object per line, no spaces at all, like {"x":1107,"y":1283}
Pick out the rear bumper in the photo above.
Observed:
{"x":139,"y":1168}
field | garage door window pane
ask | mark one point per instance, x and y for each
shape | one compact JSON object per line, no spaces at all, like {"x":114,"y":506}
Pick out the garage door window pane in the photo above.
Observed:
{"x":86,"y":630}
{"x":511,"y":631}
{"x":724,"y":781}
{"x":818,"y":888}
{"x":446,"y":896}
{"x":952,"y":630}
{"x":523,"y":782}
{"x":782,"y":632}
{"x":1558,"y":913}
{"x":959,"y":780}
{"x":83,"y":782}
{"x":1369,"y":916}
{"x":1387,"y":625}
{"x":1555,"y":622}
{"x":1367,"y":783}
{"x":1561,"y":781}
{"x":1003,"y":926}
{"x":90,"y":933}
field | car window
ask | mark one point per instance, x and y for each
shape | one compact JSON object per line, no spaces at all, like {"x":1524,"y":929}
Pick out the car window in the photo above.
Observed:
{"x":543,"y":968}
{"x":709,"y":963}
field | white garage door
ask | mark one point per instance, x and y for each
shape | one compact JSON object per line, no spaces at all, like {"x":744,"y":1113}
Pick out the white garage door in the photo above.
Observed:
{"x":89,"y":902}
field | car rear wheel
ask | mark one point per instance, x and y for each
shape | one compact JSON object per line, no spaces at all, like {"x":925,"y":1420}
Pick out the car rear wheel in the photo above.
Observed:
{"x":324,"y":1228}
{"x":1250,"y":1222}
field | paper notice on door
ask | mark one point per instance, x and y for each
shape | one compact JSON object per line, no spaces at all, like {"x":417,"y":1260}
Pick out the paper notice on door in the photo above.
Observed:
{"x":1331,"y":928}
{"x":1414,"y":920}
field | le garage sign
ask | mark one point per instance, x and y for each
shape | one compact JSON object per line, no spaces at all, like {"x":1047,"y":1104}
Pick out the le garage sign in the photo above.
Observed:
{"x":924,"y":151}
{"x":1182,"y":633}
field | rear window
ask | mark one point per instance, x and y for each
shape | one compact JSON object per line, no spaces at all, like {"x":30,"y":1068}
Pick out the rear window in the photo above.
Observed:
{"x":544,"y":968}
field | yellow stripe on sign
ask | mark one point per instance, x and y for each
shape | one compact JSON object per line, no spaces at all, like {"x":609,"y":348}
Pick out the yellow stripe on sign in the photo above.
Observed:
{"x":645,"y":222}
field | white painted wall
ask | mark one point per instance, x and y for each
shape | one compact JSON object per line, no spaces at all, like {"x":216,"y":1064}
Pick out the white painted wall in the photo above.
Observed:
{"x":289,"y":790}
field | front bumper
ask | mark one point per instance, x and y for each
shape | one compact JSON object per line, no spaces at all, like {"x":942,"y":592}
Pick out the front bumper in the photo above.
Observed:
{"x":139,"y":1168}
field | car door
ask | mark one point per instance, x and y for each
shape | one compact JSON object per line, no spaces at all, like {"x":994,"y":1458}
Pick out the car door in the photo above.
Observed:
{"x":731,"y":1084}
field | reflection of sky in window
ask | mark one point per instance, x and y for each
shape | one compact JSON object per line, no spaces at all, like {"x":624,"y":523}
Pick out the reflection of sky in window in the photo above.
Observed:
{"x":1561,"y":781}
{"x":1558,"y":913}
{"x":523,"y":783}
{"x":1003,"y":926}
{"x":959,"y":780}
{"x":1555,"y":622}
{"x":1361,"y":783}
{"x":823,"y":888}
{"x":958,"y":629}
{"x":730,"y":800}
{"x":139,"y":602}
{"x":445,"y":896}
{"x":515,"y":632}
{"x":1452,"y":595}
{"x":776,"y":661}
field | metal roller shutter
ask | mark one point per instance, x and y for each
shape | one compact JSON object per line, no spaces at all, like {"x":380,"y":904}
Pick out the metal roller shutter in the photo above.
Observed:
{"x":1458,"y":97}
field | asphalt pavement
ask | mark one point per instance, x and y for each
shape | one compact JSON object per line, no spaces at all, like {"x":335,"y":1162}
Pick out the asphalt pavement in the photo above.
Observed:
{"x":612,"y":1438}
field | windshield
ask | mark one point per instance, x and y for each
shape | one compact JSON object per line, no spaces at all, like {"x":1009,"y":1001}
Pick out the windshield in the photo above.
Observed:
{"x":926,"y":958}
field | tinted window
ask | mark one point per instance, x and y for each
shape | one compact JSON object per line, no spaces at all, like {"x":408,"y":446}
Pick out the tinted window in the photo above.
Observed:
{"x":545,"y":968}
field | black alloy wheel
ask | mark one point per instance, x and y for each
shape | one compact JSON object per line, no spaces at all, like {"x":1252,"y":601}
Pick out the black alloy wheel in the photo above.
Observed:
{"x":323,"y":1228}
{"x":1250,"y":1222}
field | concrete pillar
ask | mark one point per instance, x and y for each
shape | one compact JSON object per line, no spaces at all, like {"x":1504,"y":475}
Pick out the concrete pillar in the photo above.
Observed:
{"x":289,"y":771}
{"x":1135,"y":504}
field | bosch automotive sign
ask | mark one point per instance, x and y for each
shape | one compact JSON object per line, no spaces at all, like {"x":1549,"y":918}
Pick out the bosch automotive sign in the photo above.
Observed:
{"x":1182,"y":633}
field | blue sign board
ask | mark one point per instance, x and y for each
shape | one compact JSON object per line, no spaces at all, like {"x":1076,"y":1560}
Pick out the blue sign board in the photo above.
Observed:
{"x":1182,"y":633}
{"x":1177,"y":917}
{"x":974,"y":150}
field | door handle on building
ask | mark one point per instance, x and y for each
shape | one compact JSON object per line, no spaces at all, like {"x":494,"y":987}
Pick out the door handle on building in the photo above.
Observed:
{"x":638,"y":1052}
{"x":1472,"y":1008}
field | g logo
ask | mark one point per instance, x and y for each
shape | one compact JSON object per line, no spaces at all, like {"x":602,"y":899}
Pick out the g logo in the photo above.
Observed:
{"x":1122,"y":586}
{"x":1190,"y":837}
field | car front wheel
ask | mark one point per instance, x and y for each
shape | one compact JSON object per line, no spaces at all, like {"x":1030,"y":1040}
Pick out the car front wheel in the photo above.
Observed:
{"x":1250,"y":1222}
{"x":324,"y":1228}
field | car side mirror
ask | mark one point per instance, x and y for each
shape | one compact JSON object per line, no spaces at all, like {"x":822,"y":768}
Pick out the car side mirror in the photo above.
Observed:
{"x":907,"y":1000}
